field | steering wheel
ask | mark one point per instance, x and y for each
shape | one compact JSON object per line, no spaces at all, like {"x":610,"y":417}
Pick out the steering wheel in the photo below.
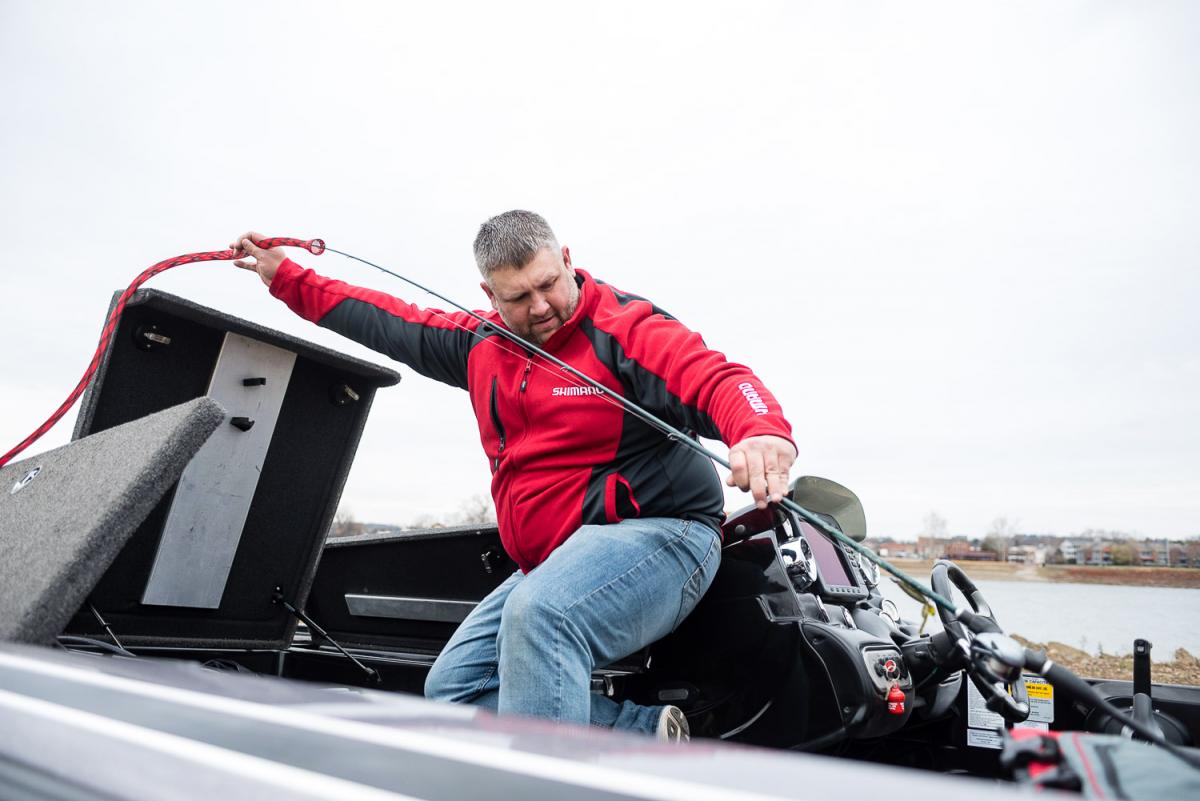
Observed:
{"x":987,"y":673}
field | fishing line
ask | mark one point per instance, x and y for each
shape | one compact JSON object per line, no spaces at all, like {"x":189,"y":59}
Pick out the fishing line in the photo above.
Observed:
{"x":675,"y":434}
{"x":529,"y":350}
{"x":316,"y":247}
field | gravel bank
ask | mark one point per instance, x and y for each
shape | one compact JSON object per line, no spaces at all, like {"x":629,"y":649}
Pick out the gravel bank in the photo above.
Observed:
{"x":1182,"y":669}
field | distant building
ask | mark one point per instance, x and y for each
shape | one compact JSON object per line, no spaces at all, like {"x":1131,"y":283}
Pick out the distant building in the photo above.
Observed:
{"x":1028,"y":554}
{"x":931,"y":547}
{"x":1069,"y":549}
{"x":1097,"y":552}
{"x":889,"y":548}
{"x":961,"y":549}
{"x":1092,"y":547}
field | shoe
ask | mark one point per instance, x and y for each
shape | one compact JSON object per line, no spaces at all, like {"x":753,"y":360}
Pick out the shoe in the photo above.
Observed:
{"x":672,"y":725}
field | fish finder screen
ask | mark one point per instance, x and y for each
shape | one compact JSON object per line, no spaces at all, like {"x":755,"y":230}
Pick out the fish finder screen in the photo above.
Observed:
{"x":829,"y":562}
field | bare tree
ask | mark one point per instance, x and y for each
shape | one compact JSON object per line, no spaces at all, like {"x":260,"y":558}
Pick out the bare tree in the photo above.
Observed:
{"x":423,"y":522}
{"x":344,"y":524}
{"x":933,"y":531}
{"x":1000,"y":536}
{"x":476,"y":510}
{"x":1003,"y":527}
{"x":934,"y":526}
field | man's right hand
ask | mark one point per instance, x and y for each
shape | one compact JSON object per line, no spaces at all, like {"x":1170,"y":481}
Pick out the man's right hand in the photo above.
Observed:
{"x":760,"y":465}
{"x":263,"y":262}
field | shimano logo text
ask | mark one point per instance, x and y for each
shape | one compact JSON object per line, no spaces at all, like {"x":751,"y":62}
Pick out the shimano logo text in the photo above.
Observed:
{"x":573,"y":391}
{"x":753,"y":398}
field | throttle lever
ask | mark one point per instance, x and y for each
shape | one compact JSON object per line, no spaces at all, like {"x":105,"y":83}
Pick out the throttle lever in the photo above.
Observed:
{"x":1143,"y":705}
{"x":1141,"y":667}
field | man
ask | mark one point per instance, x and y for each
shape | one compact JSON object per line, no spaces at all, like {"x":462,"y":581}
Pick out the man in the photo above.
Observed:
{"x":615,"y":527}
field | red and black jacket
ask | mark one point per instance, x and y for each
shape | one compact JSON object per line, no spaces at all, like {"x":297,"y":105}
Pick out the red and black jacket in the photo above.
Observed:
{"x":564,"y":455}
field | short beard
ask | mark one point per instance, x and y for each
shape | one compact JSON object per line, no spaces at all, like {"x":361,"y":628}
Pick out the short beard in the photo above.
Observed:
{"x":531,"y":336}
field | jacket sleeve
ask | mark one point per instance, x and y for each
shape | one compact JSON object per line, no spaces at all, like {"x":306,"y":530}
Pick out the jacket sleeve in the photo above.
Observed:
{"x":668,"y":369}
{"x":430,"y":341}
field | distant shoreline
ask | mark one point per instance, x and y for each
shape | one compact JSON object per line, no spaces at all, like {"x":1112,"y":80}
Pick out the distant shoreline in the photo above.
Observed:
{"x":1179,"y":577}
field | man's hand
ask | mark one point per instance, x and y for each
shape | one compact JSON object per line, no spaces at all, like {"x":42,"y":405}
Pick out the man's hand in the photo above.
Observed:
{"x":760,"y":465}
{"x":263,"y":262}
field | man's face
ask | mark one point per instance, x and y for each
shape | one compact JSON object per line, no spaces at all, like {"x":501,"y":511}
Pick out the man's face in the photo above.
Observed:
{"x":535,"y":300}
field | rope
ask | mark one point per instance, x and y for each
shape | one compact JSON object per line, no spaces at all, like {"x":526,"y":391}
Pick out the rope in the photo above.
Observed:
{"x":313,"y":246}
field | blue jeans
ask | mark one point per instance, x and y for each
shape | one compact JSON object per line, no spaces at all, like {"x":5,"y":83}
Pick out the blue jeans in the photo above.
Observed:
{"x":529,"y":648}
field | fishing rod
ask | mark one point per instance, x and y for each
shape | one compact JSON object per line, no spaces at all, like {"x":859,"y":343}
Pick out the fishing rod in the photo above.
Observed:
{"x":967,"y":617}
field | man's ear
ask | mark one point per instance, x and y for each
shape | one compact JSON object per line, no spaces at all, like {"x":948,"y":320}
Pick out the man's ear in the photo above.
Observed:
{"x":567,"y":259}
{"x":487,"y":290}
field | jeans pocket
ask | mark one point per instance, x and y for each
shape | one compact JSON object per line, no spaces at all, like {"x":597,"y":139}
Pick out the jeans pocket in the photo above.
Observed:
{"x":700,"y":579}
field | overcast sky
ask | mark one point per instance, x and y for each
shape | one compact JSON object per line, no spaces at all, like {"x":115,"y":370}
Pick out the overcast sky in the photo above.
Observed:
{"x":958,"y":241}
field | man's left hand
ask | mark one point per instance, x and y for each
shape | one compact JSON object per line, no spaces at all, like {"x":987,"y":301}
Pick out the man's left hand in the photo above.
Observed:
{"x":760,"y":465}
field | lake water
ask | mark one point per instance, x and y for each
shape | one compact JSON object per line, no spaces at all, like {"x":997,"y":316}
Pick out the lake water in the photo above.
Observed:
{"x":1086,"y":616}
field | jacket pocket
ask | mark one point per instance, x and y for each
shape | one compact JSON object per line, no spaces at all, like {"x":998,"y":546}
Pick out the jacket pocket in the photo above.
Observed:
{"x":619,"y":503}
{"x":494,"y":408}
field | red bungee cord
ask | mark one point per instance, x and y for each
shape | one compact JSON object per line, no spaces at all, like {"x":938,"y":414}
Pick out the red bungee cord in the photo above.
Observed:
{"x":313,"y":246}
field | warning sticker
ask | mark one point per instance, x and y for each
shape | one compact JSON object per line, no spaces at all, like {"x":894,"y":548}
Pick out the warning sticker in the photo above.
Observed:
{"x":1032,"y":725}
{"x":978,"y":715}
{"x":983,"y":725}
{"x":1041,"y":699}
{"x":982,"y":738}
{"x":1037,"y":687}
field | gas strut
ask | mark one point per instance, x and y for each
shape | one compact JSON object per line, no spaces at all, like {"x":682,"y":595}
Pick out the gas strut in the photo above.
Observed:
{"x":299,"y":614}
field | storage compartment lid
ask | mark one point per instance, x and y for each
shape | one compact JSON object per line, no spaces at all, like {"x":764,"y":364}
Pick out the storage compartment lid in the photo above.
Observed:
{"x":251,"y":511}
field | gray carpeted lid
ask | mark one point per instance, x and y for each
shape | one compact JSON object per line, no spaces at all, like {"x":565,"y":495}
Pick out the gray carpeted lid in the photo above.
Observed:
{"x":66,"y":514}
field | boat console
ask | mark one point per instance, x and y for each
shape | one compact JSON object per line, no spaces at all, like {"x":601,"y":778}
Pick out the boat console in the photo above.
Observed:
{"x":795,"y":647}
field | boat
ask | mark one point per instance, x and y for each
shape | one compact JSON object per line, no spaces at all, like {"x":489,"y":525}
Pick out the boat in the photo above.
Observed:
{"x":175,"y":624}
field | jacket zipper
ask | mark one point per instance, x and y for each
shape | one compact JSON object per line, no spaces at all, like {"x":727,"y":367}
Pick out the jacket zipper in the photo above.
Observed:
{"x":521,"y":392}
{"x":525,"y":375}
{"x":495,"y":409}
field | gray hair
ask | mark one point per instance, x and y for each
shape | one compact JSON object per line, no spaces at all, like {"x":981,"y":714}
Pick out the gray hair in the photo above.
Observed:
{"x":512,"y":239}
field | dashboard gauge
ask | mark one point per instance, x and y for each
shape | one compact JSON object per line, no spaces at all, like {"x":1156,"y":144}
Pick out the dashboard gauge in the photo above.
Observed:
{"x":798,"y":561}
{"x":870,"y":572}
{"x":866,"y":568}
